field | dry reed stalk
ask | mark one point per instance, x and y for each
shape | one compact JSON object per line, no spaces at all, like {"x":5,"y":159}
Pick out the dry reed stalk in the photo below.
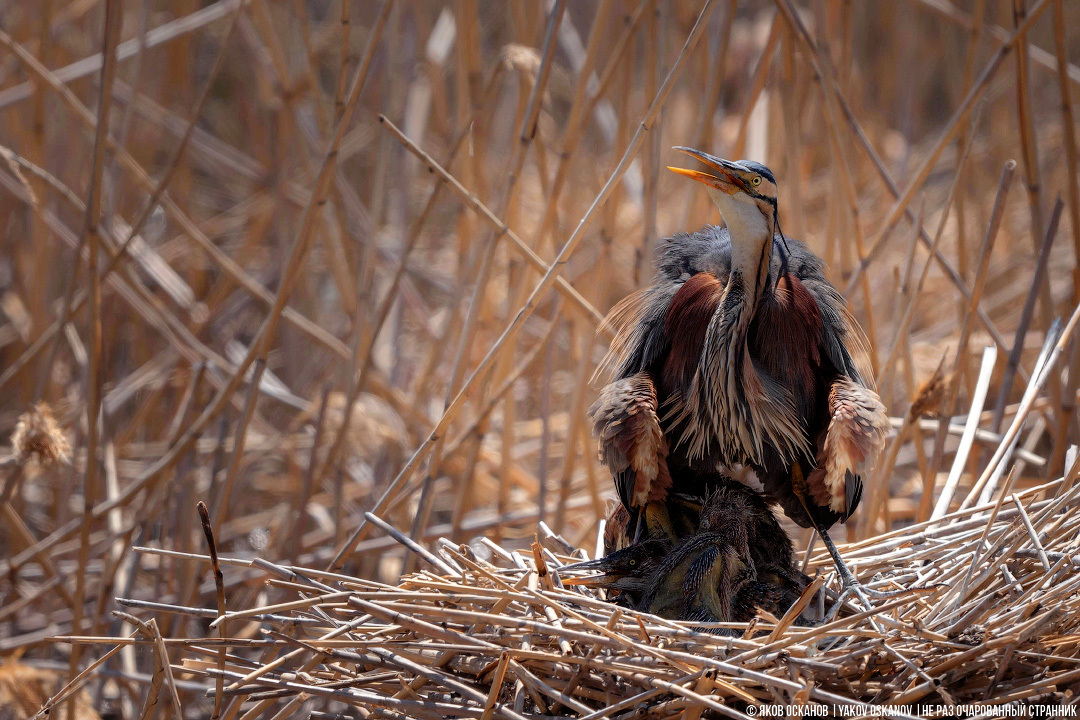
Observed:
{"x":367,"y":339}
{"x":903,"y":200}
{"x":760,"y":75}
{"x":955,"y":122}
{"x":71,"y":304}
{"x":238,"y":438}
{"x":952,"y":390}
{"x":997,"y":34}
{"x":69,"y":691}
{"x":164,"y":33}
{"x":1072,"y":160}
{"x":792,"y":132}
{"x":583,"y":106}
{"x":381,"y":288}
{"x":962,"y":261}
{"x":174,"y":211}
{"x":37,"y":156}
{"x":823,"y":71}
{"x":982,"y":386}
{"x":219,"y":582}
{"x":598,"y":644}
{"x":468,"y":332}
{"x":878,"y":485}
{"x":567,"y":290}
{"x":300,"y":248}
{"x":545,"y":283}
{"x":113,"y":12}
{"x":1072,"y":157}
{"x":1029,"y":155}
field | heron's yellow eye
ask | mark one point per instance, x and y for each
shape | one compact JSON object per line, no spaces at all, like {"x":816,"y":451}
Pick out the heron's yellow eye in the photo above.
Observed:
{"x":633,"y":563}
{"x":756,"y":180}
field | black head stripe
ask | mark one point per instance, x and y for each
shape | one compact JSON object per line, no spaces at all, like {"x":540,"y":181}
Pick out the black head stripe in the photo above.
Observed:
{"x":760,"y":169}
{"x":764,"y":172}
{"x":785,"y":251}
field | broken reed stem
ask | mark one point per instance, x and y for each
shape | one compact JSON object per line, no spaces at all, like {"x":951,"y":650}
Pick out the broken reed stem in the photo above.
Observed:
{"x":474,"y":624}
{"x":219,"y":583}
{"x":982,"y":386}
{"x":1029,"y":400}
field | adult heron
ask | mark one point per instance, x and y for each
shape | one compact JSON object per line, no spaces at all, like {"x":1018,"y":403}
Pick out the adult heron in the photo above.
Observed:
{"x":741,"y":353}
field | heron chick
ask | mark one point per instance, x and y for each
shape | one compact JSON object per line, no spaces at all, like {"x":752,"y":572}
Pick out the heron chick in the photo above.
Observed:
{"x":715,"y":559}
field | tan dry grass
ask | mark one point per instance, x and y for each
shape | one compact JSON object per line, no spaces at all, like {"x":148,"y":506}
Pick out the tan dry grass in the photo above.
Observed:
{"x":486,"y":632}
{"x":260,"y":226}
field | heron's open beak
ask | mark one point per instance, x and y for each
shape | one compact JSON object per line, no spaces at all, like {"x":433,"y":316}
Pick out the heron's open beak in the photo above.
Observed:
{"x":587,"y":580}
{"x":723,"y":179}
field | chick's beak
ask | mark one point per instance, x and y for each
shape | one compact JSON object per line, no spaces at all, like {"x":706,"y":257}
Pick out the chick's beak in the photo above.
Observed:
{"x":723,"y":177}
{"x":587,"y":580}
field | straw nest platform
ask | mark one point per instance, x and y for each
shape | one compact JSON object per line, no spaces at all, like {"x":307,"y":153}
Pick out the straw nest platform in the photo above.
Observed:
{"x":485,"y":632}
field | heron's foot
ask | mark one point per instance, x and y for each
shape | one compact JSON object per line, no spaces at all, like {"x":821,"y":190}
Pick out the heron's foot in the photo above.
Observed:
{"x":888,"y":594}
{"x":851,"y":587}
{"x":846,"y":594}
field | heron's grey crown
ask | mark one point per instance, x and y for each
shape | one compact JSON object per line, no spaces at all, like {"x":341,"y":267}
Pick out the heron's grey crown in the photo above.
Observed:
{"x":760,"y":169}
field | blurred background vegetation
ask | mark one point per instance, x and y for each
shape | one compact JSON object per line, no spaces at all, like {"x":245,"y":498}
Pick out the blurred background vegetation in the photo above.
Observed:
{"x":326,"y":204}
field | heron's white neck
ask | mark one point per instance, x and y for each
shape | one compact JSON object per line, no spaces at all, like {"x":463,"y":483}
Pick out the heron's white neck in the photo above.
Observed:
{"x":734,"y":405}
{"x":751,"y":239}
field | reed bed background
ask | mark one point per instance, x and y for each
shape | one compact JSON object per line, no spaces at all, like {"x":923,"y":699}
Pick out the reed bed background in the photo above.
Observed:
{"x":226,"y":223}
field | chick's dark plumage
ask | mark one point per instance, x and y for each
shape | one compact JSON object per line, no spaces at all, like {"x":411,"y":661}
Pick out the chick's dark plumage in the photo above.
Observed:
{"x":715,"y":559}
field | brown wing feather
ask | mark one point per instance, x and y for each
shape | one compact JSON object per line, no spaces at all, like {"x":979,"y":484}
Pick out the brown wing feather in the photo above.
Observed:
{"x":616,"y":535}
{"x":630,"y":440}
{"x":854,"y":439}
{"x":625,"y":319}
{"x":638,"y":322}
{"x":686,"y":322}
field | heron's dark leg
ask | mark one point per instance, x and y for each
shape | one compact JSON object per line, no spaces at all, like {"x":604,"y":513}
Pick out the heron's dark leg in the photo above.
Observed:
{"x":849,"y":584}
{"x":635,"y":528}
{"x":847,"y":578}
{"x":653,"y":521}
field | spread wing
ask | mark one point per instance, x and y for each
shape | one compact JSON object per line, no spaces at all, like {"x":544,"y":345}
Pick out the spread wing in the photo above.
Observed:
{"x":630,"y":440}
{"x":854,"y":439}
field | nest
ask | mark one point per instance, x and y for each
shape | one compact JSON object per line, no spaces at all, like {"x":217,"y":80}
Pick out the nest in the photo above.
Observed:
{"x":487,"y":632}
